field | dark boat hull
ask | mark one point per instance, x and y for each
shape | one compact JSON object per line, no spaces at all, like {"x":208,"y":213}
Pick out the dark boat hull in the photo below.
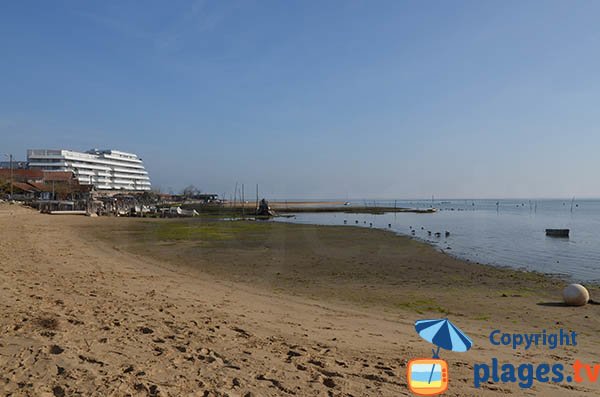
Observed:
{"x":557,"y":232}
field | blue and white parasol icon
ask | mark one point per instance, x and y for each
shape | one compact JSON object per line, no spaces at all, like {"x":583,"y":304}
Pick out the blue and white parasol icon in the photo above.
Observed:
{"x":442,"y":333}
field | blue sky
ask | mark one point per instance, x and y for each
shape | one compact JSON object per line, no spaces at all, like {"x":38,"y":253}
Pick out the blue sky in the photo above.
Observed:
{"x":359,"y":99}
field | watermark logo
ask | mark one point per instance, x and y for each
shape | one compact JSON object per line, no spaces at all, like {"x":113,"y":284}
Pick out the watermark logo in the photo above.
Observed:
{"x":429,"y":376}
{"x":525,"y":374}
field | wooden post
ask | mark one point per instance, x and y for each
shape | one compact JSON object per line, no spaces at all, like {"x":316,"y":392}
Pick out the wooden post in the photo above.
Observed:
{"x":235,"y":194}
{"x":12,"y":177}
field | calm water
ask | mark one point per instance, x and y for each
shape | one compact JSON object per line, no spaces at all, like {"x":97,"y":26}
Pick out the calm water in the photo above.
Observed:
{"x":511,"y":233}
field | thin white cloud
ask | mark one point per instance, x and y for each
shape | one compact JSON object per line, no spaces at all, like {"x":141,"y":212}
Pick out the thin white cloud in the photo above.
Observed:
{"x":115,"y":24}
{"x":173,"y":35}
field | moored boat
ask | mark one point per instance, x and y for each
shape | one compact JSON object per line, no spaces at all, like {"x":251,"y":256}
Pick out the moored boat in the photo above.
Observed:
{"x":557,"y":232}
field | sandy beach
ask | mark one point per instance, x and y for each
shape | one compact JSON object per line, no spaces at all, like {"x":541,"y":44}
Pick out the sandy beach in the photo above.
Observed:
{"x":151,"y":307}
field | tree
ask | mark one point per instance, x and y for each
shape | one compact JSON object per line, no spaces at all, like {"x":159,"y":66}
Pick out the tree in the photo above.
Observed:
{"x":190,"y":191}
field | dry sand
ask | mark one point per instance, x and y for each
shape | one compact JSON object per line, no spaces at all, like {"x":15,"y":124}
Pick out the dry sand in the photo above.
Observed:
{"x":87,"y":311}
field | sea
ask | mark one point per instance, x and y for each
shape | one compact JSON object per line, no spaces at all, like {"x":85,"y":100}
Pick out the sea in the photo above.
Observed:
{"x":507,"y":233}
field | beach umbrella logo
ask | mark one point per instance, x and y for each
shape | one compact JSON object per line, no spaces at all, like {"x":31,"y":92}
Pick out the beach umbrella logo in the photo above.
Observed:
{"x":429,"y":376}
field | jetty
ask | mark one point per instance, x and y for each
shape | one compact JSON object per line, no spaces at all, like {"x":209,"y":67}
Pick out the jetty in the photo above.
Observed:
{"x":354,"y":210}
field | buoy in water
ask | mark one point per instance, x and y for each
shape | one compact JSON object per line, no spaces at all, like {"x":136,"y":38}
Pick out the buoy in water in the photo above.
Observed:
{"x":576,"y":295}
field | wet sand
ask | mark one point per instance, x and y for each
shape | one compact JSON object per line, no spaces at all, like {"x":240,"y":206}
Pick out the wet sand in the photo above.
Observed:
{"x":119,"y":306}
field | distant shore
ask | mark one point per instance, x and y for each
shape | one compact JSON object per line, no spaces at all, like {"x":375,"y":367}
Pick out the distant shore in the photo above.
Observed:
{"x":288,"y":207}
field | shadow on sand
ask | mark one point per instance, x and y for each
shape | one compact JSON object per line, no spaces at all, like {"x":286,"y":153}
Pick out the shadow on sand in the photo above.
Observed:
{"x":553,"y":304}
{"x":563,"y":304}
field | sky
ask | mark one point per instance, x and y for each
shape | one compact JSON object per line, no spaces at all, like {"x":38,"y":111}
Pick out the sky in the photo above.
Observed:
{"x":329,"y":99}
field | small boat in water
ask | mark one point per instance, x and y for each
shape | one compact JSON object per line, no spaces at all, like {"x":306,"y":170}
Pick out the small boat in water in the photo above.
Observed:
{"x":557,"y":232}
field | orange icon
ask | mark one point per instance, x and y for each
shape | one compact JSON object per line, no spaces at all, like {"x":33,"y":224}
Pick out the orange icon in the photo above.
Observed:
{"x":427,"y":376}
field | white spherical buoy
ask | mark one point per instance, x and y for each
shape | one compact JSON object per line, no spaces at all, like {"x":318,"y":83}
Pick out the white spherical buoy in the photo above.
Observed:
{"x":576,"y":295}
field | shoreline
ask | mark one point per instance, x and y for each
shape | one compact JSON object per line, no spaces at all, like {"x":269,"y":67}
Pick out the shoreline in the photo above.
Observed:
{"x":183,"y":251}
{"x":563,"y":277}
{"x":176,"y":307}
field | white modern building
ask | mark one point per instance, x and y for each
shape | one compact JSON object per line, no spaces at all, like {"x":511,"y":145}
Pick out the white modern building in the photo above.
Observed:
{"x":104,"y":169}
